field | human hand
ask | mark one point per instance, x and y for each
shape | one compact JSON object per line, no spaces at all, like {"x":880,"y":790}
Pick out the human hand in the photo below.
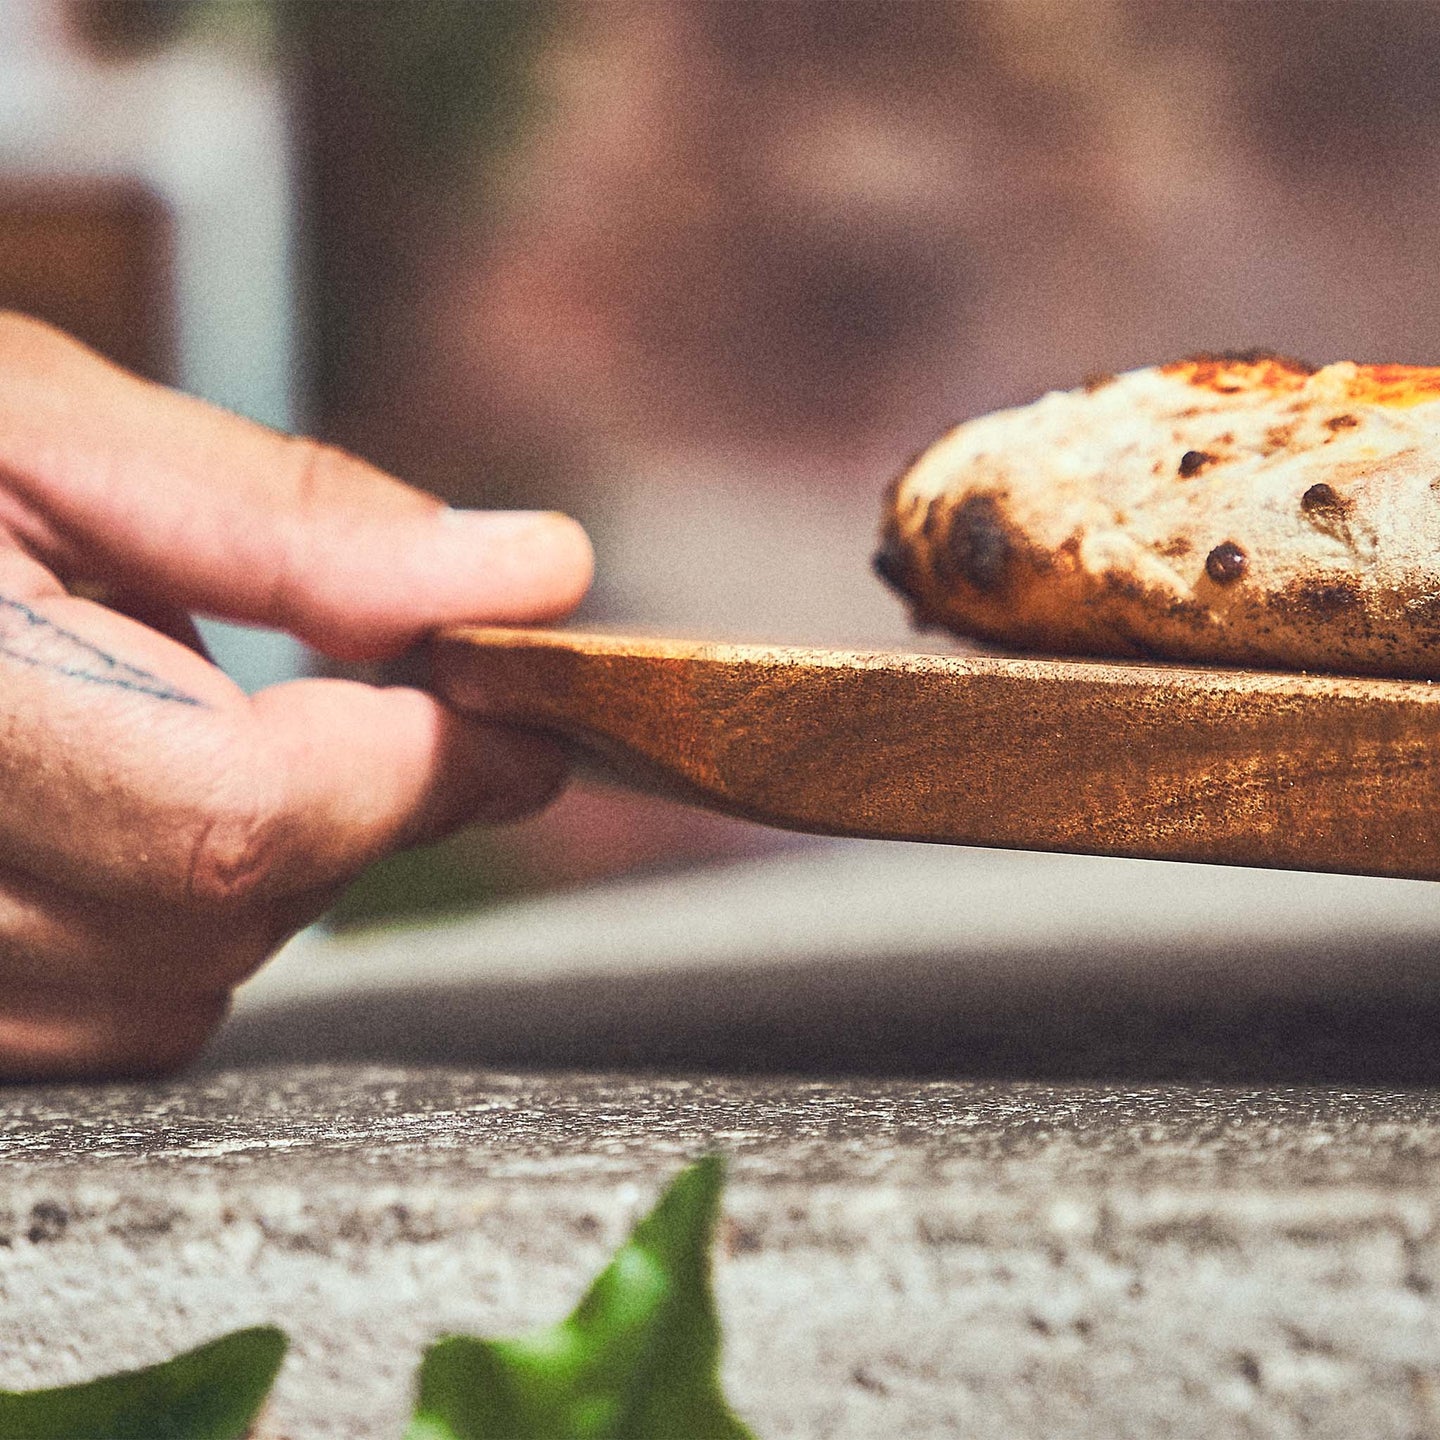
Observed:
{"x":161,"y":833}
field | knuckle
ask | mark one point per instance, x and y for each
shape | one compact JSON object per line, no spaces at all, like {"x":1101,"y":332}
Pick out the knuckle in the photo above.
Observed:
{"x":294,"y":560}
{"x":330,"y":487}
{"x":15,"y":324}
{"x":319,"y":510}
{"x":337,"y":516}
{"x":234,"y":855}
{"x":311,"y":461}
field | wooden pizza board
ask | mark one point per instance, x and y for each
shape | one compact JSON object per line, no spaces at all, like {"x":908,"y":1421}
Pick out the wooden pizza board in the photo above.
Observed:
{"x":1297,"y":771}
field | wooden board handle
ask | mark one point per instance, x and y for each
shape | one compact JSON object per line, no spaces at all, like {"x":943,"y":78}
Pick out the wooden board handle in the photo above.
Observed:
{"x":1226,"y":766}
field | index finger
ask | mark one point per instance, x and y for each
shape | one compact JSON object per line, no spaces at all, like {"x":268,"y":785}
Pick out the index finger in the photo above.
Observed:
{"x":115,"y":478}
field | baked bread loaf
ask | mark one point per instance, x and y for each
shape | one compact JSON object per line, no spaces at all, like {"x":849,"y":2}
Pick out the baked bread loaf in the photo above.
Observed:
{"x":1244,"y":509}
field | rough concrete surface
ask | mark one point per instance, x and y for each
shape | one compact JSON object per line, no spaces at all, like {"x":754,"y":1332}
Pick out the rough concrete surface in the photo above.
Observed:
{"x":1008,"y":1260}
{"x":1023,"y":1147}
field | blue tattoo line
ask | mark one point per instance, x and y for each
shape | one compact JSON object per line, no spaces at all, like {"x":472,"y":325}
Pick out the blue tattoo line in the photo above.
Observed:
{"x":49,"y":647}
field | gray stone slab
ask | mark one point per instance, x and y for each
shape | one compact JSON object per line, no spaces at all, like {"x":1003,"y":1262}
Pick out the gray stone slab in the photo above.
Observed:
{"x":899,"y":1257}
{"x":1022,"y":1146}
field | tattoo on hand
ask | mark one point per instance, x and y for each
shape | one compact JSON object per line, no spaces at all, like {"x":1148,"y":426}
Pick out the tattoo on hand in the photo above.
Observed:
{"x":27,"y":636}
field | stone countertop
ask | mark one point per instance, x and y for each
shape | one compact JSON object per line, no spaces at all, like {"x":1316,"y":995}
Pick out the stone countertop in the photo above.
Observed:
{"x":1021,"y":1148}
{"x":451,"y":1129}
{"x":918,"y":1257}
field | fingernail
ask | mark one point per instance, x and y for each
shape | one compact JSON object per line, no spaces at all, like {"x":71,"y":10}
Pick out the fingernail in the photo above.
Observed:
{"x":499,"y":522}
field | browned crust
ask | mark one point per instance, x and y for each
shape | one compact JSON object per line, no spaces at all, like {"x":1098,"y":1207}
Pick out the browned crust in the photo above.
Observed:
{"x":967,"y":566}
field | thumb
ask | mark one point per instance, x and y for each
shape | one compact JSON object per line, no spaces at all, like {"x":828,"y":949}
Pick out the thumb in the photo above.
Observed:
{"x":112,"y":478}
{"x":364,"y":771}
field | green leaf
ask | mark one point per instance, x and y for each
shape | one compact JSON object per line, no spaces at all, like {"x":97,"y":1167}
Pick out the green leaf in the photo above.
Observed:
{"x":636,"y":1361}
{"x":211,"y":1393}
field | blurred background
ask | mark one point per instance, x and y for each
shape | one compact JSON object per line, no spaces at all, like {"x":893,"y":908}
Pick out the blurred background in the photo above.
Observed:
{"x":703,"y":272}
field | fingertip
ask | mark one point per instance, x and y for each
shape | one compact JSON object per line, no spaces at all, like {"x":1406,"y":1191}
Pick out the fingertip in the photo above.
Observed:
{"x":529,"y":564}
{"x":64,"y":1034}
{"x":369,"y":771}
{"x":519,"y":773}
{"x":576,"y":554}
{"x":506,"y":567}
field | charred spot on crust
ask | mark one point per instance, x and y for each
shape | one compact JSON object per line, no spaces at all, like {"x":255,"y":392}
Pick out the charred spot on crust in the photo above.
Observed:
{"x":1092,"y":383}
{"x":1192,"y":462}
{"x":891,"y":562}
{"x":1327,"y":599}
{"x":980,"y":544}
{"x":1270,"y":357}
{"x":1127,"y":587}
{"x":1424,"y":611}
{"x":1178,"y":607}
{"x":1342,"y":422}
{"x":1230,"y":359}
{"x":1226,"y":563}
{"x":1323,"y":499}
{"x":1176,"y":546}
{"x":1234,"y":370}
{"x":1316,"y":601}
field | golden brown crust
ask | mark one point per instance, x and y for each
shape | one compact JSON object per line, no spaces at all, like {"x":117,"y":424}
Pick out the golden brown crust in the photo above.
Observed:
{"x":1244,"y":509}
